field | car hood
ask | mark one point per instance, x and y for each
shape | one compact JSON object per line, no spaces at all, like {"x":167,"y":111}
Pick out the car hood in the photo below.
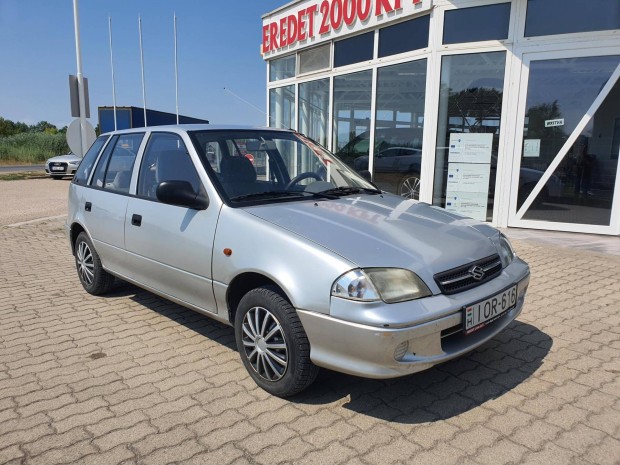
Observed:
{"x":64,"y":158}
{"x":386,"y":231}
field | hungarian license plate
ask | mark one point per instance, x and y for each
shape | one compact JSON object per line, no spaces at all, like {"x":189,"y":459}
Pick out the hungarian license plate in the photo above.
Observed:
{"x":57,"y":168}
{"x":482,"y":313}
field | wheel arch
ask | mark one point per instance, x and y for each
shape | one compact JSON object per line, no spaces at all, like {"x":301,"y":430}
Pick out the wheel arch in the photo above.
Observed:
{"x":242,"y":284}
{"x":74,"y":232}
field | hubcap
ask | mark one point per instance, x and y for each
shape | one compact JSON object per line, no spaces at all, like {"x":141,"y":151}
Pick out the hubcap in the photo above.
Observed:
{"x":410,"y":188}
{"x":264,"y":343}
{"x":85,"y":265}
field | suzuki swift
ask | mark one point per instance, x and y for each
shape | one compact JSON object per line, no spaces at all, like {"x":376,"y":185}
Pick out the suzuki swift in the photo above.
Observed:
{"x":267,"y":231}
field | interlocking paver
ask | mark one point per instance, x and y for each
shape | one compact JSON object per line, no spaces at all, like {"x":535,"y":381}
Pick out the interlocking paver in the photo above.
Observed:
{"x":133,"y":378}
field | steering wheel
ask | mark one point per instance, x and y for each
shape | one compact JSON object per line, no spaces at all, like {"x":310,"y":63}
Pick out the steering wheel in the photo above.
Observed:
{"x":301,"y":177}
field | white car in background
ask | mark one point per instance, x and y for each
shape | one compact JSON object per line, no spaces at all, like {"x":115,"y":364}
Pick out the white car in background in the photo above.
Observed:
{"x":62,"y":165}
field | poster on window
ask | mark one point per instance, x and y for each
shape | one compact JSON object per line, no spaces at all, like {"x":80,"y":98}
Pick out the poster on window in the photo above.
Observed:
{"x":470,"y":148}
{"x":467,"y":189}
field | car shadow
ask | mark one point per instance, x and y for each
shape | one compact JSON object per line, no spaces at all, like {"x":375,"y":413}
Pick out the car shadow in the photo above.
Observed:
{"x":442,"y":392}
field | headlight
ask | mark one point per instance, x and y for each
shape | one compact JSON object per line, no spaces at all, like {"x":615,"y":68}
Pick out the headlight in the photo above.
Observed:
{"x":388,"y":284}
{"x":506,"y":253}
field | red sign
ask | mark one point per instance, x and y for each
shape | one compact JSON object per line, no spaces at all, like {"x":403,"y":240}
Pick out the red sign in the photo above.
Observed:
{"x":314,"y":21}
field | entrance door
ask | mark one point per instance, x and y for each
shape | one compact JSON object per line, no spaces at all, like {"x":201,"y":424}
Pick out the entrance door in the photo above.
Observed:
{"x":569,"y":137}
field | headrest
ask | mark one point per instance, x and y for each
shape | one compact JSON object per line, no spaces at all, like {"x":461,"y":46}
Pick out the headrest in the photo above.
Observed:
{"x":238,"y":169}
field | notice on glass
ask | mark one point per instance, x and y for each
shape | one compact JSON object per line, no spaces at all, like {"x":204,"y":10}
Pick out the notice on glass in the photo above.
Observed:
{"x":531,"y":148}
{"x":467,"y":190}
{"x":470,"y":148}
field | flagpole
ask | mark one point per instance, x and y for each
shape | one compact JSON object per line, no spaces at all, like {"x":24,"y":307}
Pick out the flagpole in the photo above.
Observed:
{"x":142,"y":69}
{"x":176,"y":67}
{"x":112,"y":66}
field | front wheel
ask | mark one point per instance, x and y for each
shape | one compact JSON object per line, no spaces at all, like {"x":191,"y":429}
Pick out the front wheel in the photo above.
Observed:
{"x":94,"y":278}
{"x":272,"y":343}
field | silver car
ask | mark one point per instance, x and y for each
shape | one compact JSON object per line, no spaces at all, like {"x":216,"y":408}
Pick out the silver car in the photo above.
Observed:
{"x":314,"y":267}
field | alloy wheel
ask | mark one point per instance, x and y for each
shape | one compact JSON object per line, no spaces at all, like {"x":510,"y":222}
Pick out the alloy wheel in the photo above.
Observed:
{"x":410,"y":188}
{"x":85,"y":264}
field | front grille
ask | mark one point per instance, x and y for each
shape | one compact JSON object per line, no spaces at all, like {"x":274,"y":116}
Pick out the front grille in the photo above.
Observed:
{"x":460,"y":278}
{"x":58,"y":164}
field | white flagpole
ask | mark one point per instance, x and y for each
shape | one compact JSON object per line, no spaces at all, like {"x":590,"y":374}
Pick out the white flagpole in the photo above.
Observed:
{"x":112,"y":66}
{"x":176,"y":67}
{"x":80,"y":78}
{"x":142,"y":68}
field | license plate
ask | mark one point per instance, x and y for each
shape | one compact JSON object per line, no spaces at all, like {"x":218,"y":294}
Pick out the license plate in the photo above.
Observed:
{"x":57,"y":168}
{"x":482,"y":313}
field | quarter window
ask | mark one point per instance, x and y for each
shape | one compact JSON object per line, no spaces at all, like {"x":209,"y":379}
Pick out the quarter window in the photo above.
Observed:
{"x":120,"y":165}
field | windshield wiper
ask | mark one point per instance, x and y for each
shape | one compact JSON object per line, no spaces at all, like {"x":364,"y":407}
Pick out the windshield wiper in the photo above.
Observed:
{"x":276,"y":194}
{"x":349,"y":190}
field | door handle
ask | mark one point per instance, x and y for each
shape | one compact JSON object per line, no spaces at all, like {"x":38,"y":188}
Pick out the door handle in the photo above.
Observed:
{"x":136,"y":220}
{"x":88,"y":206}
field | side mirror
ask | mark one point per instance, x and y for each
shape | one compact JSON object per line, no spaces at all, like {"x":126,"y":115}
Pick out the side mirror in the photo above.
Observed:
{"x":182,"y":194}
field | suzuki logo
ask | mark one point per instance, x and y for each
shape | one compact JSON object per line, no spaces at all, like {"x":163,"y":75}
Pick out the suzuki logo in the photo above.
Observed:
{"x":476,"y":272}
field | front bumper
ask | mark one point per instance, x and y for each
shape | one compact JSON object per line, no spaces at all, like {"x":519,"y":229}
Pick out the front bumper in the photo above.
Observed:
{"x":388,"y":352}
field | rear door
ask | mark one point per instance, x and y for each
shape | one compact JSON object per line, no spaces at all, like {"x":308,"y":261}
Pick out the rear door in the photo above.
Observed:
{"x":104,"y":204}
{"x":170,"y":247}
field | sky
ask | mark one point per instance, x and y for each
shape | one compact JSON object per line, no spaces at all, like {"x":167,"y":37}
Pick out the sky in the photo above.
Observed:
{"x":218,"y":48}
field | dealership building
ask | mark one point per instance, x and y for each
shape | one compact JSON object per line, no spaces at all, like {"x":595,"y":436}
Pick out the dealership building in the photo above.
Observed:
{"x":505,"y":111}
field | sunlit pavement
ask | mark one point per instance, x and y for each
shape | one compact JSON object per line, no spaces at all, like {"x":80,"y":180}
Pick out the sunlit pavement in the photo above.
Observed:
{"x":132,"y":378}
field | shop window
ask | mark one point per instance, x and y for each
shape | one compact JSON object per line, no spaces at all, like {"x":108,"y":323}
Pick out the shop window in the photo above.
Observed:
{"x":581,"y":189}
{"x":314,"y":110}
{"x":354,"y":50}
{"x":404,"y":37}
{"x":570,"y":16}
{"x":352,"y":98}
{"x":475,"y":24}
{"x":399,"y":124}
{"x":314,"y":59}
{"x":282,"y":68}
{"x":282,"y":107}
{"x":468,"y":133}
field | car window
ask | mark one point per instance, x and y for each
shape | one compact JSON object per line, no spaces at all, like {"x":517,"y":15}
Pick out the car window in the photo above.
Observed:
{"x":85,"y":168}
{"x":165,"y":159}
{"x":116,"y":164}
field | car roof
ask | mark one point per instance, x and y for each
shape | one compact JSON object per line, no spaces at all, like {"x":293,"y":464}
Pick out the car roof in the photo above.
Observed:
{"x":196,"y":127}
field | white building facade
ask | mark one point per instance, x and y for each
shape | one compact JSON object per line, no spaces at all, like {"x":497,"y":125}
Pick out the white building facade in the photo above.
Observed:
{"x":505,"y":111}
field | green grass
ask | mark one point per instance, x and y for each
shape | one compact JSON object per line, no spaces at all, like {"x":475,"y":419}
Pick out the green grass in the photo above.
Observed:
{"x":31,"y":147}
{"x":22,"y":175}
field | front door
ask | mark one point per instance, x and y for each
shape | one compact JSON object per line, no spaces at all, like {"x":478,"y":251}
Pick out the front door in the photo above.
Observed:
{"x":569,"y":143}
{"x":170,"y":247}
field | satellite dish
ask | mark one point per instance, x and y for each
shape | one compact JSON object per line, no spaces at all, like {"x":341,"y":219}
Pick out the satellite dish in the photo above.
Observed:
{"x":74,"y":136}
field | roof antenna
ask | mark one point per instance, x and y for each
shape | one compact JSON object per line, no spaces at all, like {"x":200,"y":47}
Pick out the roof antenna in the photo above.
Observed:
{"x":271,"y":118}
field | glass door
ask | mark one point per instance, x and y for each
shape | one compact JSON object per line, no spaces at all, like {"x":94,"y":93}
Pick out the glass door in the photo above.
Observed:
{"x":569,"y":144}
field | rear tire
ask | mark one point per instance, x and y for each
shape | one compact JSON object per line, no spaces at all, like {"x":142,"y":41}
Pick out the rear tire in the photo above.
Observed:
{"x":272,"y":343}
{"x":94,"y":278}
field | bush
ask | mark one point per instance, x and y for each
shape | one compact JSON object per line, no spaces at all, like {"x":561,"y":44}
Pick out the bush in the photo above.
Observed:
{"x":32,"y":147}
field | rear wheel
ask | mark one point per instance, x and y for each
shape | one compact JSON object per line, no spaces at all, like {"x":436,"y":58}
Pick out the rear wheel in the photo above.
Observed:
{"x":272,"y":343}
{"x":93,"y":277}
{"x":409,"y":186}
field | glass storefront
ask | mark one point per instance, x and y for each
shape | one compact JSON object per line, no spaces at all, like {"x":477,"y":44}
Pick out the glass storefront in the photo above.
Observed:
{"x":560,"y":92}
{"x":468,"y":132}
{"x":282,"y":107}
{"x":352,"y":101}
{"x":399,"y":125}
{"x":314,"y":110}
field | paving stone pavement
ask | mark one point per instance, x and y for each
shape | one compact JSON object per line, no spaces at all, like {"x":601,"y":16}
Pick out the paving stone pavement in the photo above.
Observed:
{"x":131,"y":378}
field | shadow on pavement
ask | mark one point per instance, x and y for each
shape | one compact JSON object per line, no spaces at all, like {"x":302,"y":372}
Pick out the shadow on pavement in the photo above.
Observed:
{"x":439,"y":393}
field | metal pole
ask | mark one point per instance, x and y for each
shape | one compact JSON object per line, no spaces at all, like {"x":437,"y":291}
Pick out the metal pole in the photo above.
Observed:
{"x":176,"y":66}
{"x":142,"y":68}
{"x":80,"y":77}
{"x":112,"y":66}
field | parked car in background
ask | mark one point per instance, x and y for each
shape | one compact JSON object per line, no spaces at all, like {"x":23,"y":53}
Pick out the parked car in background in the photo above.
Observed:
{"x":62,"y":166}
{"x":309,"y":262}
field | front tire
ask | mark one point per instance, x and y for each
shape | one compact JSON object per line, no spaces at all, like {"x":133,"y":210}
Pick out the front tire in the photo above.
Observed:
{"x":94,"y":278}
{"x":272,"y":343}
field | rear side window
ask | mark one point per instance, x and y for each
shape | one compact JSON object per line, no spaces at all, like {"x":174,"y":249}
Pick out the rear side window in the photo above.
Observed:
{"x":86,"y":165}
{"x":116,"y":165}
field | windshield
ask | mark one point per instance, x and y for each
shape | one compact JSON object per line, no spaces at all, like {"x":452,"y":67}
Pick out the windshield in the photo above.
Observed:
{"x":268,"y":166}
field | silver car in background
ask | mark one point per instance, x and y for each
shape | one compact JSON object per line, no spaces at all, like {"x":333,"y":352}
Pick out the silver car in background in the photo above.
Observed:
{"x":314,"y":267}
{"x":62,"y":165}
